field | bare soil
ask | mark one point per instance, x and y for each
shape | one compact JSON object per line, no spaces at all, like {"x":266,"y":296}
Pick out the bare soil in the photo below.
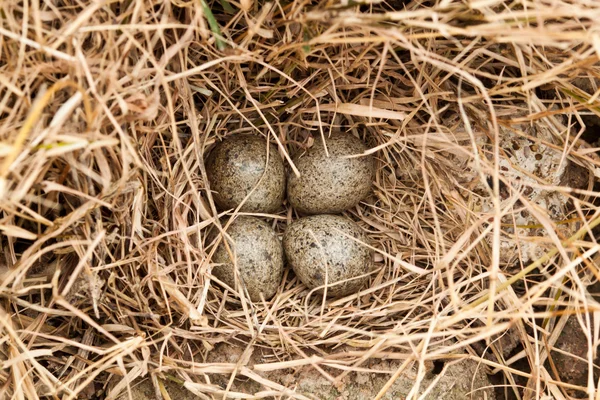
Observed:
{"x":460,"y":379}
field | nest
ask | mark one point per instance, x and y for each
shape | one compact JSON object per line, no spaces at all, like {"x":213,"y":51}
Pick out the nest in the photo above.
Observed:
{"x":484,"y":253}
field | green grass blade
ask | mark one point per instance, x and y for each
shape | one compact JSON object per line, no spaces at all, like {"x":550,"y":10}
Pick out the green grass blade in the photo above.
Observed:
{"x":214,"y":25}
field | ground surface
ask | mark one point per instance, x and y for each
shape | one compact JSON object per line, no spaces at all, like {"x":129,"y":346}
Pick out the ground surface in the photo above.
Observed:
{"x":457,"y":380}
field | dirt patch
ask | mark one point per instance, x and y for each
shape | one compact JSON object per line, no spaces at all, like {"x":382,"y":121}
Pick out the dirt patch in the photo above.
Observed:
{"x":452,"y":380}
{"x":569,"y":356}
{"x":459,"y":380}
{"x":144,"y":390}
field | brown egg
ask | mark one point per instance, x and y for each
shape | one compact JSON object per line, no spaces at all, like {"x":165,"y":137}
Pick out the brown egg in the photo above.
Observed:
{"x":325,"y":249}
{"x":258,"y":255}
{"x":331,"y":184}
{"x":237,"y":165}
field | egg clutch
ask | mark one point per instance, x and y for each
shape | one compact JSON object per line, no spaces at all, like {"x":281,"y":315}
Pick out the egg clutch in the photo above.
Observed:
{"x":327,"y":252}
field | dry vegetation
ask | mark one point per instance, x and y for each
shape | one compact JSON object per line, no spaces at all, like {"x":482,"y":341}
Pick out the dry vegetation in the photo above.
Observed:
{"x":107,"y":110}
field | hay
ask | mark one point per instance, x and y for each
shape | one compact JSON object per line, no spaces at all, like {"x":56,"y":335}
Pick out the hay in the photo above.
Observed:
{"x":108,"y":110}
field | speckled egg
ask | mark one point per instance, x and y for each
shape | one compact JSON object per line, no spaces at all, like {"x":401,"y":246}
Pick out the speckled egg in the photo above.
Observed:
{"x":258,"y":254}
{"x":325,"y":249}
{"x":331,"y":184}
{"x":237,"y":164}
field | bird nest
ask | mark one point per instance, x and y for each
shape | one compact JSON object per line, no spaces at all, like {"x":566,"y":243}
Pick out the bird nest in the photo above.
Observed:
{"x":481,"y":117}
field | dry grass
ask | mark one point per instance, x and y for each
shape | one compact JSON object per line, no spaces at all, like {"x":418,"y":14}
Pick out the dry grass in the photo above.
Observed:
{"x":108,"y":110}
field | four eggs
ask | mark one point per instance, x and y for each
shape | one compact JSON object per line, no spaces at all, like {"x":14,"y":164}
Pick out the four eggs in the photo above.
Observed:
{"x":327,"y":252}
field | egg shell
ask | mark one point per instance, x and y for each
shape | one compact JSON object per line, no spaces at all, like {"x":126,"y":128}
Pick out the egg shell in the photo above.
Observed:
{"x":259,"y":257}
{"x":234,"y":168}
{"x":321,"y":247}
{"x":334,"y":183}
